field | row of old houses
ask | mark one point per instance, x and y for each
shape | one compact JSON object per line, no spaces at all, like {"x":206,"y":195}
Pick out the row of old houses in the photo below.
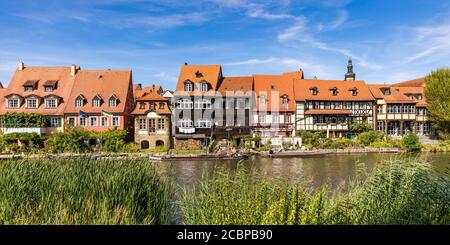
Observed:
{"x":206,"y":105}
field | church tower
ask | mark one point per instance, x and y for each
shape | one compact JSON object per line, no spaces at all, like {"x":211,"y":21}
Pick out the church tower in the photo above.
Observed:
{"x":350,"y":75}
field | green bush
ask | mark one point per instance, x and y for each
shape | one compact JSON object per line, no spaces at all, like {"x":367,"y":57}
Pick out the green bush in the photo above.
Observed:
{"x":358,"y":127}
{"x":73,"y":140}
{"x":410,"y":143}
{"x":112,"y":140}
{"x":367,"y":138}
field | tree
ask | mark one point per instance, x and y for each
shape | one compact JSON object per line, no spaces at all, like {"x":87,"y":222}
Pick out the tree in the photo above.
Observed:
{"x":411,"y":143}
{"x":437,"y":91}
{"x":358,"y":128}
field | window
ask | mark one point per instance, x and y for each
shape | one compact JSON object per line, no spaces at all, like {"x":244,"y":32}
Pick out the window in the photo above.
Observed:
{"x":203,"y":123}
{"x":28,"y":88}
{"x":313,"y":90}
{"x":54,"y":122}
{"x":32,"y":103}
{"x":161,"y":105}
{"x":380,"y":126}
{"x":113,"y":102}
{"x":103,"y":121}
{"x":161,"y":124}
{"x":151,"y":125}
{"x":152,"y":106}
{"x":79,"y":102}
{"x":204,"y":87}
{"x":184,"y":104}
{"x":284,"y":101}
{"x":287,"y":118}
{"x":275,"y":118}
{"x":48,"y":88}
{"x":142,"y":105}
{"x":71,"y":121}
{"x":188,"y":86}
{"x":50,"y":103}
{"x":387,"y":91}
{"x":262,"y":100}
{"x":96,"y":102}
{"x":13,"y":103}
{"x":334,"y":91}
{"x":142,"y":124}
{"x":93,"y":121}
{"x":247,"y":103}
{"x":354,"y":91}
{"x":185,"y":123}
{"x":203,"y":104}
{"x":82,"y":121}
{"x":115,"y":121}
{"x":380,"y":109}
{"x":230,"y":104}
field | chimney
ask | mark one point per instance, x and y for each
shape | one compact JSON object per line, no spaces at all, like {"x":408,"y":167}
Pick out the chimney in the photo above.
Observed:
{"x":21,"y":66}
{"x":73,"y":70}
{"x":185,"y":63}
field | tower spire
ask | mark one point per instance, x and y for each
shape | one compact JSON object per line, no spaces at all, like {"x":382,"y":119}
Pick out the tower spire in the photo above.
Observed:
{"x":350,"y":75}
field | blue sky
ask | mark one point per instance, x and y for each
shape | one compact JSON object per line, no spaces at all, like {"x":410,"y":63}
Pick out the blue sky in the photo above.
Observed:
{"x":389,"y":41}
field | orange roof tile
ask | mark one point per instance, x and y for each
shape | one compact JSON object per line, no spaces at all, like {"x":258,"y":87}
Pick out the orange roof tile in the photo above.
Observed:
{"x":104,"y":83}
{"x":418,"y":82}
{"x":40,"y":74}
{"x":236,"y":84}
{"x":395,"y":96}
{"x":302,"y":88}
{"x":212,"y":74}
{"x":274,"y":87}
{"x":151,"y":95}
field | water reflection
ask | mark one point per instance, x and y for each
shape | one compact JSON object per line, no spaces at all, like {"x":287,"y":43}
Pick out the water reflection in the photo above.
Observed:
{"x":334,"y":170}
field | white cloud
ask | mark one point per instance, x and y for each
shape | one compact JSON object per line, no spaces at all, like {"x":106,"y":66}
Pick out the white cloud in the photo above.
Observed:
{"x":293,"y":31}
{"x":430,"y":41}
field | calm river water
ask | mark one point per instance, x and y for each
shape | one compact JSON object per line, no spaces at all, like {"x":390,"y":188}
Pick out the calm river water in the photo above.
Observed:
{"x":333,"y":169}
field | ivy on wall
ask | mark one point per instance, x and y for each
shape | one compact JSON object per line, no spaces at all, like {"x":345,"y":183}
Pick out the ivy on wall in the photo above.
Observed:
{"x":22,"y":120}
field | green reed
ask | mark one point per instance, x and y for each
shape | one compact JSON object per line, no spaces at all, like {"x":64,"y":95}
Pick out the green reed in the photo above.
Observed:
{"x":397,"y":192}
{"x":83,"y":191}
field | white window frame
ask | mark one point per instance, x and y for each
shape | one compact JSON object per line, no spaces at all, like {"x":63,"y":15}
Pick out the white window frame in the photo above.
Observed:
{"x":27,"y":101}
{"x":79,"y":102}
{"x":113,"y":119}
{"x":28,"y":88}
{"x":185,"y":123}
{"x":184,"y":104}
{"x":96,"y":121}
{"x":161,"y":124}
{"x":188,"y":86}
{"x":101,"y":121}
{"x":11,"y":102}
{"x":47,"y":102}
{"x":203,"y":123}
{"x":96,"y":102}
{"x":142,"y":124}
{"x":202,"y":104}
{"x":74,"y":121}
{"x":262,"y":100}
{"x":54,"y":122}
{"x":112,"y":102}
{"x":48,"y":88}
{"x":204,"y":87}
{"x":83,"y":121}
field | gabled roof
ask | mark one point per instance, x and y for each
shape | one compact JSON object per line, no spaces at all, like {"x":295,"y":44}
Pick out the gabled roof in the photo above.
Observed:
{"x":144,"y":90}
{"x":302,"y":89}
{"x":418,"y":82}
{"x":149,"y":95}
{"x":34,"y":73}
{"x":197,"y":73}
{"x":103,"y":83}
{"x":273,"y":87}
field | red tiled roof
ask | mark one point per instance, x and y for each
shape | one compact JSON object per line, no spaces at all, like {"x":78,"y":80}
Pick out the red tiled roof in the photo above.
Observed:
{"x":303,"y":87}
{"x":418,"y":82}
{"x":41,"y":74}
{"x":212,"y":74}
{"x":395,"y":96}
{"x":236,"y":84}
{"x":327,"y":112}
{"x":103,"y":83}
{"x":151,"y":95}
{"x":148,"y":89}
{"x":274,"y":87}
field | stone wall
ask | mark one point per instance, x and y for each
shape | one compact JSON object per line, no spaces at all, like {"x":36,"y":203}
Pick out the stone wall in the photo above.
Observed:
{"x":190,"y":144}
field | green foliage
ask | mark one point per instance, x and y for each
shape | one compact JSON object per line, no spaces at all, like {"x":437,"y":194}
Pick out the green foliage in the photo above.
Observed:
{"x":311,"y":138}
{"x":22,"y":119}
{"x":397,"y":192}
{"x":287,"y":145}
{"x":73,"y":140}
{"x":212,"y":146}
{"x":358,"y":128}
{"x":187,"y":151}
{"x":112,"y":140}
{"x":22,"y":142}
{"x":83,"y":191}
{"x":411,"y":143}
{"x":437,"y":90}
{"x":367,"y":138}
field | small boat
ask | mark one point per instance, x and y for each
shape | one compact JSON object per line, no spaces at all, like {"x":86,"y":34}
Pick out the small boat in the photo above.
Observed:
{"x":155,"y":158}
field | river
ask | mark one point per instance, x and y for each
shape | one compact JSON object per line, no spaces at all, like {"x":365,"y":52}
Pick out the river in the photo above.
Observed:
{"x":334,"y":169}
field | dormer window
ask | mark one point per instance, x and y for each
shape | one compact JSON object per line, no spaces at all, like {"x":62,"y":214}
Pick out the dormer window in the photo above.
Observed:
{"x":386,"y":91}
{"x":204,"y":87}
{"x":30,"y":85}
{"x":161,"y":105}
{"x":32,"y":102}
{"x":113,"y":101}
{"x":284,"y":101}
{"x":188,"y":86}
{"x":50,"y":85}
{"x":51,"y":102}
{"x":353,"y":91}
{"x":198,"y":74}
{"x":272,"y":87}
{"x":334,"y":91}
{"x":79,"y":101}
{"x":142,"y":105}
{"x":13,"y":103}
{"x":152,"y":106}
{"x":313,"y":90}
{"x":262,"y":100}
{"x":96,"y":101}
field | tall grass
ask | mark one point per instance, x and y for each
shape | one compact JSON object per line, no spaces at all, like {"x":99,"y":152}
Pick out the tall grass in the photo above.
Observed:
{"x":397,"y":192}
{"x":83,"y":191}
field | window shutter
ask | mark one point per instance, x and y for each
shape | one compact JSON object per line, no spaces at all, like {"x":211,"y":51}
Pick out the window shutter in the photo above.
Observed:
{"x":59,"y":122}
